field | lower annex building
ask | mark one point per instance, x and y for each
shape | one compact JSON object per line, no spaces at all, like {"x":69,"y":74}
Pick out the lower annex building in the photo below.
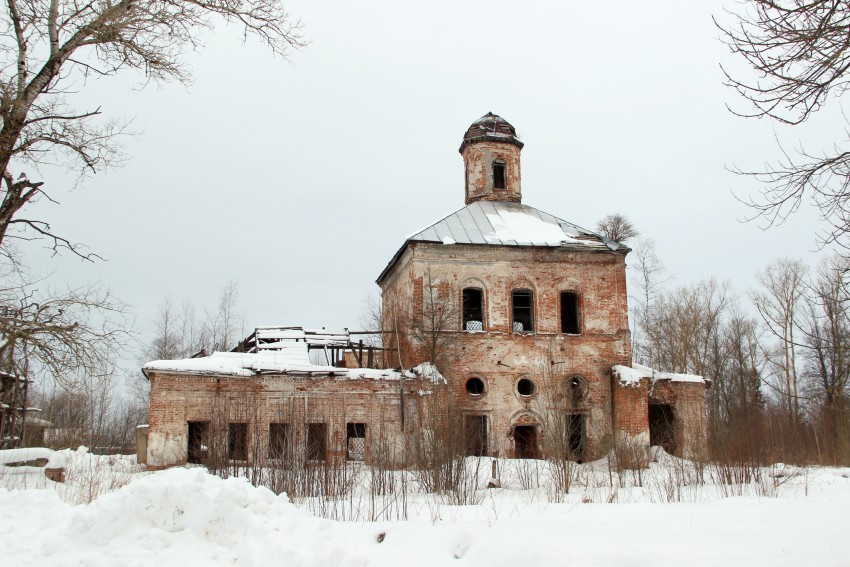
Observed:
{"x":505,"y":333}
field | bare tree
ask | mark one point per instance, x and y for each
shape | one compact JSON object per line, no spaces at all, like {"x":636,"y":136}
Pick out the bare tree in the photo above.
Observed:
{"x":799,"y":51}
{"x":649,"y":278}
{"x":783,"y":285}
{"x":68,"y":336}
{"x":438,"y":318}
{"x":827,"y":353}
{"x":616,"y":227}
{"x":48,"y":50}
{"x":686,"y":326}
{"x":177,"y":332}
{"x":225,"y":326}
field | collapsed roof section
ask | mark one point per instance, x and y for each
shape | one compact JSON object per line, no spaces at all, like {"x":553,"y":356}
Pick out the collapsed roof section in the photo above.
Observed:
{"x":291,"y":360}
{"x":498,"y":223}
{"x":285,"y":350}
{"x":273,"y":338}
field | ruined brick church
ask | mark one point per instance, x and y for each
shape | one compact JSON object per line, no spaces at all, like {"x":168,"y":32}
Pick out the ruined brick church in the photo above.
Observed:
{"x":524,"y":314}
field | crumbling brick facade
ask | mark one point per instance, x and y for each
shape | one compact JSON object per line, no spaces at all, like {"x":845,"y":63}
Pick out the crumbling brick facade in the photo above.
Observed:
{"x":179,"y":399}
{"x":524,"y":314}
{"x":477,"y":248}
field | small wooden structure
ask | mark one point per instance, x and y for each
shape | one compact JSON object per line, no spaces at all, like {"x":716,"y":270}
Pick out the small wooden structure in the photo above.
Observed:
{"x":13,"y":410}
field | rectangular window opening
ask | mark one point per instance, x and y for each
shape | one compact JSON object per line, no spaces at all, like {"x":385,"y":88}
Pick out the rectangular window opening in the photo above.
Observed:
{"x":279,"y":440}
{"x":199,"y":441}
{"x":499,"y":175}
{"x":575,"y":436}
{"x":355,"y":442}
{"x":473,"y":311}
{"x":475,"y":428}
{"x":237,"y":441}
{"x":569,"y":313}
{"x":317,"y":441}
{"x":523,"y":311}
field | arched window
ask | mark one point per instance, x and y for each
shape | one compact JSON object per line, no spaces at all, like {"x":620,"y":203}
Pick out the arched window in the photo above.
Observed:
{"x":570,"y":313}
{"x":473,"y":309}
{"x":522,"y":307}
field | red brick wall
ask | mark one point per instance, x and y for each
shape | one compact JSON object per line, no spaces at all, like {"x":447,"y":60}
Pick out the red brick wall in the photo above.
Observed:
{"x":501,"y":357}
{"x":690,"y":425}
{"x":177,"y":399}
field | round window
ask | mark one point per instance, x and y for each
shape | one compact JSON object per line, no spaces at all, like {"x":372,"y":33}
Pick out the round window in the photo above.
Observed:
{"x":525,"y":387}
{"x":475,"y":387}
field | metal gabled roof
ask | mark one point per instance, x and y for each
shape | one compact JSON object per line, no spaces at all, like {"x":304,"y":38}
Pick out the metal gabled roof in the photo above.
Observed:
{"x":498,"y":223}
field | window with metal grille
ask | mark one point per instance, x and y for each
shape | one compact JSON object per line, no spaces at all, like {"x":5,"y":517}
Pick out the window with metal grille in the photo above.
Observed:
{"x":473,"y":309}
{"x":522,"y":304}
{"x":355,"y":434}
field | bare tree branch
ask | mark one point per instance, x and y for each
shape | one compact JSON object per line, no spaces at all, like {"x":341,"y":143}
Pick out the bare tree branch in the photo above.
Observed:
{"x":799,"y":52}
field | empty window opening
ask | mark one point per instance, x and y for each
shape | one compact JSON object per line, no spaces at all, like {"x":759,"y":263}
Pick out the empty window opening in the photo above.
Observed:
{"x":237,"y":441}
{"x":525,"y":388}
{"x":473,"y":311}
{"x":525,"y":442}
{"x":279,"y":440}
{"x":661,"y":427}
{"x":199,"y":441}
{"x":475,"y":428}
{"x":475,"y":387}
{"x":575,"y":436}
{"x":522,"y":301}
{"x":569,"y":313}
{"x":355,"y":441}
{"x":317,"y":441}
{"x":499,"y":171}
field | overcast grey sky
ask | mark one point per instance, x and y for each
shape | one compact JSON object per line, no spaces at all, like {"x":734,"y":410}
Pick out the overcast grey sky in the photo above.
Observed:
{"x":300,"y":180}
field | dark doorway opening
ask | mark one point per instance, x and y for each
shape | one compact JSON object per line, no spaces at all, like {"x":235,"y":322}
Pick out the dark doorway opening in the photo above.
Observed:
{"x":575,"y":436}
{"x":661,"y":430}
{"x":525,"y":441}
{"x":475,"y":428}
{"x":355,"y":441}
{"x":237,"y":441}
{"x":199,"y":444}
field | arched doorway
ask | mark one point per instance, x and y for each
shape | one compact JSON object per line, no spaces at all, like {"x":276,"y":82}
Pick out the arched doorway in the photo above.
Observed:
{"x":525,"y":442}
{"x":525,"y":430}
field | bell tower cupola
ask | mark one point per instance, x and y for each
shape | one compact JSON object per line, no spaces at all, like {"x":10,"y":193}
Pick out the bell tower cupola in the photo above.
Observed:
{"x":490,"y":151}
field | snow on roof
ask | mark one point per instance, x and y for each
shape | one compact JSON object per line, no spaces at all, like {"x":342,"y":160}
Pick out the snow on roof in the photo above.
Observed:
{"x":289,"y":356}
{"x":631,"y":376}
{"x":292,"y":358}
{"x":501,"y":223}
{"x":508,"y":224}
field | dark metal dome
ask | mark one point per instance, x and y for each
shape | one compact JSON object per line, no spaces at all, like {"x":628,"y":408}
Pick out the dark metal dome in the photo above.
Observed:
{"x":490,"y":128}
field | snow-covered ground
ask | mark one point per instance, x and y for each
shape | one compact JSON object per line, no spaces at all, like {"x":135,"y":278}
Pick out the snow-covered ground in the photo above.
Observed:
{"x":111,"y":512}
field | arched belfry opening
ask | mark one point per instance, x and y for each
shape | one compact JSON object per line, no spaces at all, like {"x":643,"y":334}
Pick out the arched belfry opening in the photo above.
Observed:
{"x":491,"y":158}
